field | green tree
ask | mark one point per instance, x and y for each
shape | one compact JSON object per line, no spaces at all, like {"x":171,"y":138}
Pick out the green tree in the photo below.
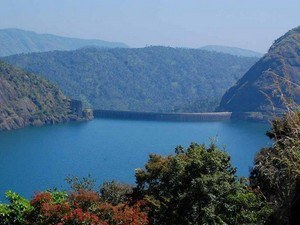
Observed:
{"x":76,"y":184}
{"x":197,"y":186}
{"x":115,"y":193}
{"x":276,"y":170}
{"x":14,"y":213}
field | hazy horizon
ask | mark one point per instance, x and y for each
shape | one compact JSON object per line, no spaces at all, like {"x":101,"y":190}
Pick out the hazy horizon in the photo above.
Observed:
{"x":169,"y":23}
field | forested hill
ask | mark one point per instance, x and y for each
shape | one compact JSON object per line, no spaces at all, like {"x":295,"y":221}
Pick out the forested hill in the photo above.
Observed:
{"x":16,"y":41}
{"x":271,"y":81}
{"x":232,"y":50}
{"x":26,"y":99}
{"x":156,"y":79}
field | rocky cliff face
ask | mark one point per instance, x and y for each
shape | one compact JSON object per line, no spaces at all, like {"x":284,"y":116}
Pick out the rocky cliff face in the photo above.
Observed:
{"x":26,"y":99}
{"x":271,"y":83}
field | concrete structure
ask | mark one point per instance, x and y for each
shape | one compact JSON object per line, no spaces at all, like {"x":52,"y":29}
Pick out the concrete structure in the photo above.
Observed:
{"x":76,"y":107}
{"x":213,"y":116}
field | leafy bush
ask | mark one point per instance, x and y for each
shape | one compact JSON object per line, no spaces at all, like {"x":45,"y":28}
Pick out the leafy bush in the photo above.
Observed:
{"x":115,"y":193}
{"x":76,"y":208}
{"x":77,"y":184}
{"x":46,"y":210}
{"x":14,"y":213}
{"x":198,"y":185}
{"x":276,"y":171}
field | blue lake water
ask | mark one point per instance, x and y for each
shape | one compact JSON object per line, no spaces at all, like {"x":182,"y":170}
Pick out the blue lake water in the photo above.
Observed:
{"x":37,"y":158}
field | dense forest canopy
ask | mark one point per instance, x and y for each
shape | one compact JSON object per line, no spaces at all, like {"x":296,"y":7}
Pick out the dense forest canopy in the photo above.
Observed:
{"x":158,"y":79}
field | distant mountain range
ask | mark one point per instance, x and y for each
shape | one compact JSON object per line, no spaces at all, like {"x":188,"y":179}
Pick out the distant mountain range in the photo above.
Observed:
{"x":26,"y":99}
{"x":16,"y":41}
{"x":270,"y":85}
{"x":232,"y":51}
{"x":155,"y":79}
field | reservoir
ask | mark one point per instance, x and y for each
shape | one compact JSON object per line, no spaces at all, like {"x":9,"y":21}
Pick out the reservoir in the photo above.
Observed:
{"x":38,"y":158}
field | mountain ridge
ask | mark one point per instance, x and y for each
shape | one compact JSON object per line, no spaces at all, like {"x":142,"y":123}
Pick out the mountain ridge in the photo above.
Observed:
{"x":232,"y":50}
{"x":273,"y":80}
{"x":16,"y":41}
{"x":152,"y":79}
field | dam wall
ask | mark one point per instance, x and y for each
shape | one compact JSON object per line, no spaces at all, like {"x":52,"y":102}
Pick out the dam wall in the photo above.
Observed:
{"x":186,"y":117}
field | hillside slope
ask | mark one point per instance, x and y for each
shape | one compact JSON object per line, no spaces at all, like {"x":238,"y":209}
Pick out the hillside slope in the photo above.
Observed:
{"x":155,"y":79}
{"x":232,"y":50}
{"x":272,"y":80}
{"x":26,"y":99}
{"x":16,"y":41}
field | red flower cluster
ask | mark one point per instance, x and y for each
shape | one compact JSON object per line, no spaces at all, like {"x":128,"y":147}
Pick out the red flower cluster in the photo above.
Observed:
{"x":130,"y":215}
{"x":77,"y":216}
{"x":84,"y":199}
{"x":124,"y":214}
{"x":83,"y":208}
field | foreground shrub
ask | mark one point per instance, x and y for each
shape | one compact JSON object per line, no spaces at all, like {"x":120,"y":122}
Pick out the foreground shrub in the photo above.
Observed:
{"x":126,"y":214}
{"x":78,"y":216}
{"x":14,"y":213}
{"x":115,"y":193}
{"x":85,"y":200}
{"x":276,"y":172}
{"x":76,"y":184}
{"x":47,"y":209}
{"x":197,"y":186}
{"x":59,"y":208}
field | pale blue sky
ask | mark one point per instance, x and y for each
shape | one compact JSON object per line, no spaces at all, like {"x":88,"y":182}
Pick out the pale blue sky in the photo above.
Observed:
{"x":252,"y":24}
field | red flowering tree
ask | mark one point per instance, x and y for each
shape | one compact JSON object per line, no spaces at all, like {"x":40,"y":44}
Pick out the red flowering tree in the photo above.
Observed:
{"x":83,"y":207}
